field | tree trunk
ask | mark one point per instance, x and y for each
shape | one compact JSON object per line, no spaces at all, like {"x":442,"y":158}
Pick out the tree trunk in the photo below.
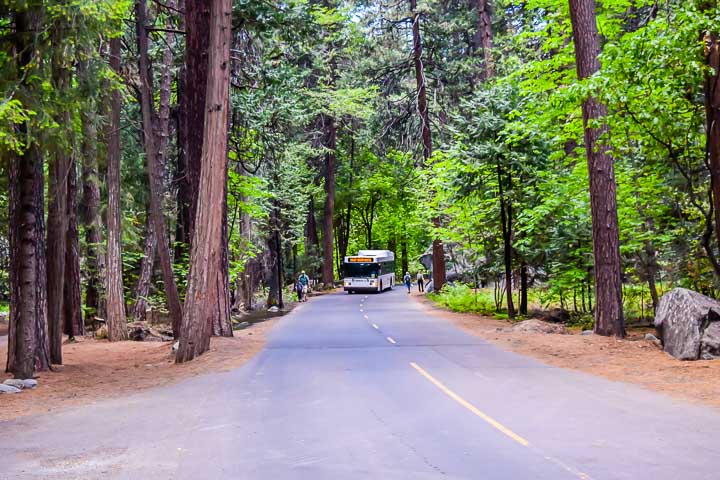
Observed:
{"x":197,"y":38}
{"x":312,"y":241}
{"x":116,"y":320}
{"x":426,"y":135}
{"x":197,"y":25}
{"x":506,"y":224}
{"x":92,"y":221}
{"x":330,"y":144}
{"x":207,"y":247}
{"x":483,"y":38}
{"x":606,"y":244}
{"x":28,"y":346}
{"x":712,"y":114}
{"x":404,"y":261}
{"x":142,"y":287}
{"x":154,"y":158}
{"x":222,"y":322}
{"x":72,"y":302}
{"x":523,"y":289}
{"x":651,"y":271}
{"x":57,"y":223}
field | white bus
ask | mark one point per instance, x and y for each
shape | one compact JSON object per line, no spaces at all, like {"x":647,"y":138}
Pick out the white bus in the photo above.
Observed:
{"x":369,"y":271}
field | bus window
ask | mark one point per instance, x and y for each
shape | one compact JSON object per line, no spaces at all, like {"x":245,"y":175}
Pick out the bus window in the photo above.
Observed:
{"x":361,"y":270}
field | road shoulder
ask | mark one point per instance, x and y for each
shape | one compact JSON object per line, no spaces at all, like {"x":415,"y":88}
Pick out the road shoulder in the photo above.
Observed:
{"x":633,"y":360}
{"x":96,"y":370}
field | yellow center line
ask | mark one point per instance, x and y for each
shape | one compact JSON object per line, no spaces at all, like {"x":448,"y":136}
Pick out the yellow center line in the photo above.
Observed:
{"x":375,"y":327}
{"x":469,"y":406}
{"x":391,"y":340}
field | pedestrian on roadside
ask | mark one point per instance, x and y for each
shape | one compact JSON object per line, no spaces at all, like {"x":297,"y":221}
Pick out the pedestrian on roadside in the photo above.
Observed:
{"x":421,"y":282}
{"x":299,"y":290}
{"x":408,"y":280}
{"x":304,"y":282}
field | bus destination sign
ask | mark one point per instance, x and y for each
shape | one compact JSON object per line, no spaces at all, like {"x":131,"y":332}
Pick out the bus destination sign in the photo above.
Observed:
{"x":360,"y":259}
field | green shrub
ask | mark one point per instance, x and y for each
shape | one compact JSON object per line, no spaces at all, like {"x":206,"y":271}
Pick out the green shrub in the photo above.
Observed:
{"x":462,"y":298}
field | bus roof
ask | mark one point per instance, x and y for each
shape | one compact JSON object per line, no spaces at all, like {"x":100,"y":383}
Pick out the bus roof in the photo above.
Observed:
{"x":374,"y":255}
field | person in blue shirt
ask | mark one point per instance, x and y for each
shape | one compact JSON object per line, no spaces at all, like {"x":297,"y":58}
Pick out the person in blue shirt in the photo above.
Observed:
{"x":408,"y":280}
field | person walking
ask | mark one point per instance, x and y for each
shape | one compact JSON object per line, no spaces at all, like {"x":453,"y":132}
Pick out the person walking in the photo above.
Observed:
{"x":421,"y":282}
{"x":304,"y":283}
{"x":408,"y":280}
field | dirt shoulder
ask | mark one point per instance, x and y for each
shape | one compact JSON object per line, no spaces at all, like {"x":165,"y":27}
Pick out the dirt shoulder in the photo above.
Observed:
{"x":632,"y":360}
{"x":97,"y":369}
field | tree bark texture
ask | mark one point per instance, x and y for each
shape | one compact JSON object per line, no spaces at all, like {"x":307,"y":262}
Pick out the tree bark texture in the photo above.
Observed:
{"x":330,"y":144}
{"x":606,"y":244}
{"x":154,"y":164}
{"x":197,"y":25}
{"x":438,"y":249}
{"x":712,"y":114}
{"x":142,"y":287}
{"x":483,"y":38}
{"x":91,"y":219}
{"x":506,"y":219}
{"x":197,"y":38}
{"x":207,"y":246}
{"x":116,"y":319}
{"x":59,"y":169}
{"x":28,"y":345}
{"x":73,"y":324}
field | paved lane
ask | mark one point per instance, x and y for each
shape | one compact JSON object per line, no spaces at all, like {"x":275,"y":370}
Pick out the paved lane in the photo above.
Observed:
{"x":371,"y":387}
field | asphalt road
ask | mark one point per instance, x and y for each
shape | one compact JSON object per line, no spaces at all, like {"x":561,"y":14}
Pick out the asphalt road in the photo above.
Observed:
{"x":371,"y":387}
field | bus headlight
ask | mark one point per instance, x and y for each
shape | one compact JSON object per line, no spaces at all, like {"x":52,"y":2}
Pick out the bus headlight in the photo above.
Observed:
{"x":348,"y":283}
{"x":372,"y":282}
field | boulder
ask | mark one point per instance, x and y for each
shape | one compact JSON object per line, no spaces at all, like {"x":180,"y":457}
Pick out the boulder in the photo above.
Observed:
{"x":8,"y":389}
{"x":587,"y":332}
{"x":537,"y":326}
{"x":15,"y":382}
{"x":30,"y":383}
{"x":689,"y":325}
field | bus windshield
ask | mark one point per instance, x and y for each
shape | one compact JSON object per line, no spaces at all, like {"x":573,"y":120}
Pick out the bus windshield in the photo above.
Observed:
{"x":361,"y":270}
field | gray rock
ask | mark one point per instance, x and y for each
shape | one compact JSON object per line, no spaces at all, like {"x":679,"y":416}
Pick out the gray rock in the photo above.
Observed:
{"x":710,"y":345}
{"x":537,"y":326}
{"x":30,"y":383}
{"x":684,"y":317}
{"x":273,"y":309}
{"x":587,"y":332}
{"x":8,"y":389}
{"x":651,"y":337}
{"x":14,"y":382}
{"x":3,"y":317}
{"x":242,"y":325}
{"x":175,"y":346}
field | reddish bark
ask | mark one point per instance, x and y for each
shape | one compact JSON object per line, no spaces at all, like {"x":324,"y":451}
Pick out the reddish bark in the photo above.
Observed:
{"x":426,"y":135}
{"x":72,"y":302}
{"x":601,"y":170}
{"x":28,"y":346}
{"x":330,"y":144}
{"x":207,"y":246}
{"x":116,"y":319}
{"x":154,"y":167}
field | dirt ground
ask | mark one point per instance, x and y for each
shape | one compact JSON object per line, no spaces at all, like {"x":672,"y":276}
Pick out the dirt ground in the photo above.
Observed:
{"x":97,"y":369}
{"x":633,"y":360}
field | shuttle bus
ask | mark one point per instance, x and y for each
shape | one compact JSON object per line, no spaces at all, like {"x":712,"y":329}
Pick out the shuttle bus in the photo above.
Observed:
{"x":369,"y":271}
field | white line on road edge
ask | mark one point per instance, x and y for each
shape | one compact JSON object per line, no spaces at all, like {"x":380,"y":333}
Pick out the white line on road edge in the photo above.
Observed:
{"x":391,"y":340}
{"x":494,"y":423}
{"x":376,"y":327}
